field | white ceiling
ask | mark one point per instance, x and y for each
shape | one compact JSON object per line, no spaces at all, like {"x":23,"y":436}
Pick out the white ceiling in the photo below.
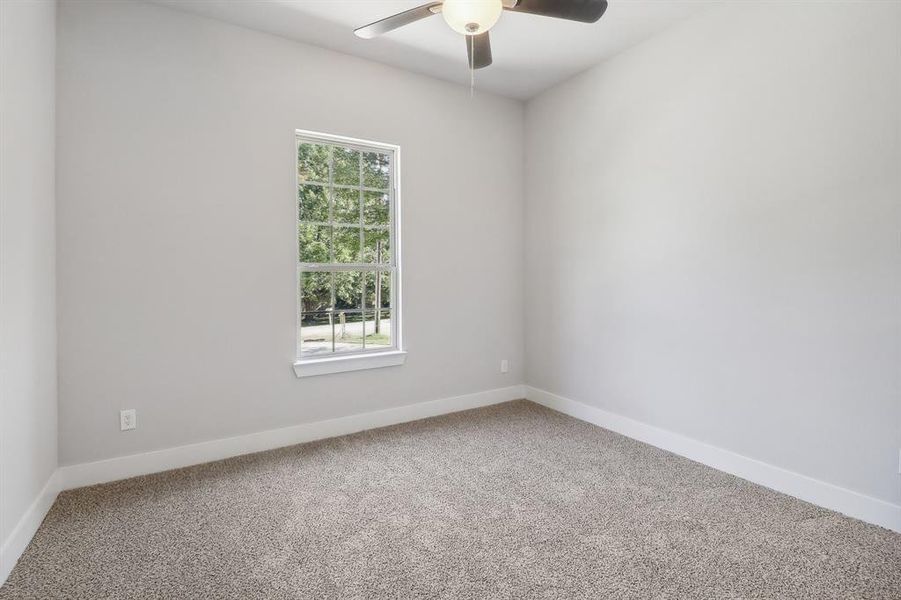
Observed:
{"x":530,"y":53}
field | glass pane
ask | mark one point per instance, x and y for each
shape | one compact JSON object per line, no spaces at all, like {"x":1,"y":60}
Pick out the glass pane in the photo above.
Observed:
{"x":312,"y":203}
{"x":314,"y":242}
{"x":375,"y":208}
{"x":347,"y":244}
{"x":348,"y":331}
{"x":349,"y":290}
{"x":378,"y":329}
{"x":376,"y":246}
{"x":378,"y":289}
{"x":385,"y":295}
{"x":316,"y":333}
{"x":315,"y":292}
{"x":375,"y":170}
{"x":312,"y":162}
{"x":347,"y":166}
{"x":347,"y":205}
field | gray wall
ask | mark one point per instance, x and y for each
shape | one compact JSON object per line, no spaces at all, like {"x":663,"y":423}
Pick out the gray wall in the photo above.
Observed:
{"x":712,"y":233}
{"x":177,"y":229}
{"x":27,"y":288}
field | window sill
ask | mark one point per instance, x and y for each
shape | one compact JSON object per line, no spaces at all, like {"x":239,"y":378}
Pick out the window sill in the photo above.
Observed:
{"x":340,"y":364}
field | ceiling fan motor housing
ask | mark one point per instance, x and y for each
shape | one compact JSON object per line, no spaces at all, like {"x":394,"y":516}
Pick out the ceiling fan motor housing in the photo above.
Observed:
{"x":470,"y":17}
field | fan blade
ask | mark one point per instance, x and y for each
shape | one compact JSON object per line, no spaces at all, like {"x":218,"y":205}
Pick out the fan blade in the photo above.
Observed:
{"x":478,"y":49}
{"x":399,"y":20}
{"x":586,"y":11}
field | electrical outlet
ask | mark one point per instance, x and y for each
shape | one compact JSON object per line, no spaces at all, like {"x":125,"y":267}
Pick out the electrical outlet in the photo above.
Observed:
{"x":505,"y":366}
{"x":128,"y":419}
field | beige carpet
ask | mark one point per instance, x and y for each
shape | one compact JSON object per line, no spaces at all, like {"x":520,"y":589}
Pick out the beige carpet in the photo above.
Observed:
{"x":511,"y":501}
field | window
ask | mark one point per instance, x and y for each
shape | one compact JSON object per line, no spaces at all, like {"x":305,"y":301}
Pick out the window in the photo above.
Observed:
{"x":348,"y":272}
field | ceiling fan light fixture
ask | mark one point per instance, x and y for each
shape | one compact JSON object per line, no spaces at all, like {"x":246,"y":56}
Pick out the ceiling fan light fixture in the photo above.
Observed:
{"x":471,"y":17}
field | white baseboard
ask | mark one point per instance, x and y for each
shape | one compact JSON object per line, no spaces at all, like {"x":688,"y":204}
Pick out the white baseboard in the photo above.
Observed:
{"x":827,"y":495}
{"x":113,"y":469}
{"x":14,"y":545}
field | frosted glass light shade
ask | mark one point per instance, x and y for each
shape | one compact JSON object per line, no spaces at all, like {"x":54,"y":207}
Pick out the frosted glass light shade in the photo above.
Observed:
{"x":471,"y":17}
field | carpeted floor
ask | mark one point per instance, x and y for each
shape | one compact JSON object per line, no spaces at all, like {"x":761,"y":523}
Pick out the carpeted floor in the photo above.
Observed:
{"x":510,"y":501}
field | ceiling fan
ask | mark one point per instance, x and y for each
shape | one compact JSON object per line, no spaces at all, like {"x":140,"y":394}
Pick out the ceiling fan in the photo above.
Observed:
{"x":473,"y":18}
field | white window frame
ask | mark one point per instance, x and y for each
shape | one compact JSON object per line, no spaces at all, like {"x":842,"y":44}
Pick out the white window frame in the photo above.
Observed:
{"x":364,"y":359}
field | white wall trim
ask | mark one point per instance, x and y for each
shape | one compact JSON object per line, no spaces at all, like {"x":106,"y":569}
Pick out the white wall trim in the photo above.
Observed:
{"x":122,"y":467}
{"x":342,"y":364}
{"x":815,"y":491}
{"x":14,"y":545}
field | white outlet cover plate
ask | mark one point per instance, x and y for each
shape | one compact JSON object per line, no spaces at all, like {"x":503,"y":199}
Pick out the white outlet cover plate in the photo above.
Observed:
{"x":127,"y":419}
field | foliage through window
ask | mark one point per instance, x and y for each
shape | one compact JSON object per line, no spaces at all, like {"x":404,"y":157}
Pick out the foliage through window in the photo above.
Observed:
{"x":347,"y":237}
